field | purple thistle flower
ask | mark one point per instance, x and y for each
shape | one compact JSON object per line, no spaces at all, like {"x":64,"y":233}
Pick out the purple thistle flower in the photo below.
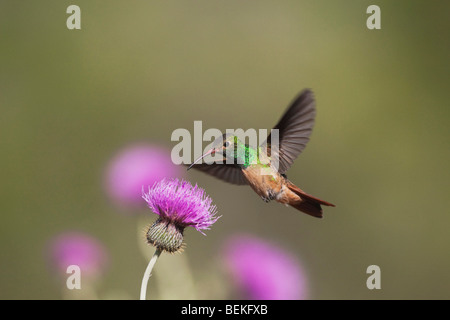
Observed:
{"x":136,"y":166}
{"x":179,"y":205}
{"x":263,"y":271}
{"x":75,"y":248}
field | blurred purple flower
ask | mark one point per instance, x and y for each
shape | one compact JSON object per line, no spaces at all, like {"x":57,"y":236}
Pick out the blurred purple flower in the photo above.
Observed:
{"x":263,"y":271}
{"x":75,"y":248}
{"x":137,"y":166}
{"x":179,"y":205}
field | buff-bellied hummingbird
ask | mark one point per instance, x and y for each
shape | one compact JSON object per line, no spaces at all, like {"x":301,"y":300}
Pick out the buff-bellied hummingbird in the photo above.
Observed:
{"x":242,"y":164}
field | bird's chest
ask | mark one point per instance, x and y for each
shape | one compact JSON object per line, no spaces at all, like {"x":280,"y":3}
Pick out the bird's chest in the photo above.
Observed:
{"x":265,"y":182}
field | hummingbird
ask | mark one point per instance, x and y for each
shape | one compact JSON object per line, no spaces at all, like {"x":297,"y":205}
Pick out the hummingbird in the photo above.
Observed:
{"x":242,"y":164}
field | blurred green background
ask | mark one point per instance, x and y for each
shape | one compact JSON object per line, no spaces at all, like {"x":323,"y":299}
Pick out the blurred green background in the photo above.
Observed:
{"x":136,"y":71}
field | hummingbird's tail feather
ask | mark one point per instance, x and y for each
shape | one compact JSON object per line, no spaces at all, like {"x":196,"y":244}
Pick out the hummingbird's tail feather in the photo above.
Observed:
{"x":307,"y":203}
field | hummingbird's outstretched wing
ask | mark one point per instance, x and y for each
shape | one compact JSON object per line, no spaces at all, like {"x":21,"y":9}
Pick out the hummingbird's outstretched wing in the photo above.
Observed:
{"x":226,"y":172}
{"x":295,"y":127}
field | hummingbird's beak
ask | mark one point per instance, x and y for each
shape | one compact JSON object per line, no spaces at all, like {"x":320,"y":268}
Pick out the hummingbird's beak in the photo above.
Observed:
{"x":212,"y":151}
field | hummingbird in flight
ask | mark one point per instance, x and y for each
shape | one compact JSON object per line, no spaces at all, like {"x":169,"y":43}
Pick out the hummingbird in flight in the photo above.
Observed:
{"x":242,"y":164}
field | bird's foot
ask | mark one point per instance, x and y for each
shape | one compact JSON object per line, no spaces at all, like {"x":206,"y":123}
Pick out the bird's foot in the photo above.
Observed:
{"x":266,"y":200}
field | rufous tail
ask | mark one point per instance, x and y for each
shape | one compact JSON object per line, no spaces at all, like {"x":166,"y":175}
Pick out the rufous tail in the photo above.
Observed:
{"x":307,"y":204}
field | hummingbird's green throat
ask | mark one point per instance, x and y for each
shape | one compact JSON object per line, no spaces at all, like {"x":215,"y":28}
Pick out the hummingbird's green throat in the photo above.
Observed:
{"x":242,"y":154}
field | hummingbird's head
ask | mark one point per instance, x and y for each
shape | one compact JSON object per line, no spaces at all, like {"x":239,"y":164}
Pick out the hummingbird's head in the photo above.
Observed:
{"x":224,"y":146}
{"x":227,"y":144}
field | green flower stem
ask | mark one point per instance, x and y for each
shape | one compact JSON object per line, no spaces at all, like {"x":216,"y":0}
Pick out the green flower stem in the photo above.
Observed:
{"x":148,"y":273}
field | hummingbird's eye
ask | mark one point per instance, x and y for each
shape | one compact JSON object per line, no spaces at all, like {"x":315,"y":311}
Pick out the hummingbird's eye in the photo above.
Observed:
{"x":226,"y":144}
